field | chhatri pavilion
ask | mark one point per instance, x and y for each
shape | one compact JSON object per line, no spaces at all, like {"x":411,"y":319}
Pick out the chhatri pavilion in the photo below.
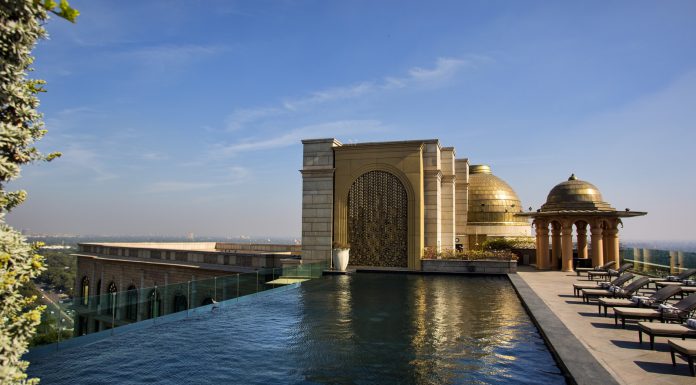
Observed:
{"x":579,"y":204}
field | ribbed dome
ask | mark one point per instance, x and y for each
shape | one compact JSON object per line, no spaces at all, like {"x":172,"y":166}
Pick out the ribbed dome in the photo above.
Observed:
{"x":491,"y":200}
{"x":575,"y":194}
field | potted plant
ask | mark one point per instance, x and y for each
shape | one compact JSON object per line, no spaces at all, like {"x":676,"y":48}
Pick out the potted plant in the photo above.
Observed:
{"x":340,"y":255}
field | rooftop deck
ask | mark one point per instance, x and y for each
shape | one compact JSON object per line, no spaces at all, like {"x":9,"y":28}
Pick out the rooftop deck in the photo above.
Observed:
{"x":616,"y":350}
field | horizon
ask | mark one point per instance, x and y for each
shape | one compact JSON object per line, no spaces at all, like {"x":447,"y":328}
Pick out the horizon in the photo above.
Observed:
{"x":190,"y":120}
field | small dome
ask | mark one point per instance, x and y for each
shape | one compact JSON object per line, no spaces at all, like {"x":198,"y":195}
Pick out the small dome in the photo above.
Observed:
{"x":491,"y":200}
{"x":575,"y":194}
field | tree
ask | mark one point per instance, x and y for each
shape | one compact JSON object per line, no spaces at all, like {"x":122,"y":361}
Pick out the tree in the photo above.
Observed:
{"x":21,"y":125}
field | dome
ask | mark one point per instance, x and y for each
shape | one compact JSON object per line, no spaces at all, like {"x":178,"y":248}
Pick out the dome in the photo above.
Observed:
{"x":491,"y":200}
{"x":575,"y":194}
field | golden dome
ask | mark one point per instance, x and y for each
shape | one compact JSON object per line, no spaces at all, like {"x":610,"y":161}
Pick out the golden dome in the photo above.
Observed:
{"x":575,"y":194}
{"x":491,"y":200}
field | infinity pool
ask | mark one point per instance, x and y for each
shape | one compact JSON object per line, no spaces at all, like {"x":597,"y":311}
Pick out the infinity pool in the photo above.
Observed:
{"x":357,"y":329}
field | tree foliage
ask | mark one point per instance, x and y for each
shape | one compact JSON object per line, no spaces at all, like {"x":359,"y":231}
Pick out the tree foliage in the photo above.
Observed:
{"x":21,"y":125}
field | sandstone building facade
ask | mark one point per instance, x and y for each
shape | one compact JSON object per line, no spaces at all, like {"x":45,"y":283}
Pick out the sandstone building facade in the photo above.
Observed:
{"x":391,"y":200}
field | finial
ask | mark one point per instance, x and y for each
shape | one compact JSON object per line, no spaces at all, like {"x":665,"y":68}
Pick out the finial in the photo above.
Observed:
{"x":572,"y":177}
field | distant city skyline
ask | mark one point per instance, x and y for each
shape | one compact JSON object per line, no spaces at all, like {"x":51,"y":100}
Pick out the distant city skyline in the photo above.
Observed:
{"x":176,"y":117}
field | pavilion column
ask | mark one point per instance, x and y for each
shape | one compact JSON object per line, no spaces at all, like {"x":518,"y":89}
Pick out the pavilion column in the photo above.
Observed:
{"x":613,"y":246}
{"x":542,"y":250}
{"x":567,"y":247}
{"x":637,"y":259}
{"x":672,"y":263}
{"x":555,"y":244}
{"x":582,"y":239}
{"x":597,"y":244}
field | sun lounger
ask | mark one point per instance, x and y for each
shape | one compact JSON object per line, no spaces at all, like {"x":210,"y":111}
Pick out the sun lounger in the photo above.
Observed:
{"x":655,"y":299}
{"x":679,"y":312}
{"x":609,"y":273}
{"x":675,"y":280}
{"x":685,"y":348}
{"x":615,"y":291}
{"x":604,"y":267}
{"x":655,"y":329}
{"x":619,"y":281}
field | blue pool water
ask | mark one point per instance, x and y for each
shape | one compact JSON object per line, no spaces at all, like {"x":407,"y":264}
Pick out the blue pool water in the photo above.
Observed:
{"x":358,"y":329}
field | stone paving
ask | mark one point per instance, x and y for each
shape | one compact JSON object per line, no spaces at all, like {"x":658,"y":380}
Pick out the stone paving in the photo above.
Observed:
{"x":616,"y":349}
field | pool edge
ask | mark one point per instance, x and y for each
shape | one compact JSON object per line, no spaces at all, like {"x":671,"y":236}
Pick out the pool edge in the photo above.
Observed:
{"x":579,"y":366}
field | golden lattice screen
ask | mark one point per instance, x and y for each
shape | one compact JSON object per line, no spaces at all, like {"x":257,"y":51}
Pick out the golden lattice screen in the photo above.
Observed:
{"x":377,"y":220}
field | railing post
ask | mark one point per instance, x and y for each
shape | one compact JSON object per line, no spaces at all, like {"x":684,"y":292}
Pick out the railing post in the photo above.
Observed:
{"x":214,"y":288}
{"x":188,"y":297}
{"x":113,"y":312}
{"x":257,"y":281}
{"x":237,"y":287}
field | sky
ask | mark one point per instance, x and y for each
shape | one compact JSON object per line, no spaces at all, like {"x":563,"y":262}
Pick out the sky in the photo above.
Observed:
{"x":179,"y":117}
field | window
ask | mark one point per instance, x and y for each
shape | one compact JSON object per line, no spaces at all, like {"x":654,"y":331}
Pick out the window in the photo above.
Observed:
{"x":180,"y":302}
{"x":132,"y":303}
{"x":111,"y":299}
{"x":84,"y":292}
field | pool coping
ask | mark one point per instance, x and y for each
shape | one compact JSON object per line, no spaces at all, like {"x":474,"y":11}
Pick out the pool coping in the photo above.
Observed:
{"x":579,"y":366}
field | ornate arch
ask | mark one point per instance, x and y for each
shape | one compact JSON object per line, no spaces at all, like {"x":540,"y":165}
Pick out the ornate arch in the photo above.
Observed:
{"x":378,"y":220}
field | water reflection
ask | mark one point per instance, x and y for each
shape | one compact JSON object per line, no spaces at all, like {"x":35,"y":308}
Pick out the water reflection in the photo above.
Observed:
{"x":361,"y":329}
{"x":418,"y":329}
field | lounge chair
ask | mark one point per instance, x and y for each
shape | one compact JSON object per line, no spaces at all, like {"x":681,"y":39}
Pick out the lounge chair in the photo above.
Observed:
{"x":619,"y":281}
{"x":605,"y":275}
{"x":679,"y":313}
{"x":657,"y":298}
{"x":655,"y":329}
{"x":685,"y":348}
{"x":619,"y":292}
{"x":676,"y":280}
{"x":604,"y":267}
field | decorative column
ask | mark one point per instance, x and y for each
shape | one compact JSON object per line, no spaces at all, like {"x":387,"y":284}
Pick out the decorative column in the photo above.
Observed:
{"x":637,"y":262}
{"x":448,"y":191}
{"x":582,"y":239}
{"x":555,"y":244}
{"x":613,"y":244}
{"x":542,"y":251}
{"x":647,"y":259}
{"x":672,"y":263}
{"x":567,"y":246}
{"x":597,"y":244}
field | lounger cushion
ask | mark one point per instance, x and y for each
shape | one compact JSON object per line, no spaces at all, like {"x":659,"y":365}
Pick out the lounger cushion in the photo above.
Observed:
{"x":676,"y":330}
{"x":637,"y":312}
{"x":687,"y":347}
{"x":596,"y":292}
{"x":665,"y":283}
{"x":585,"y":286}
{"x":611,"y":302}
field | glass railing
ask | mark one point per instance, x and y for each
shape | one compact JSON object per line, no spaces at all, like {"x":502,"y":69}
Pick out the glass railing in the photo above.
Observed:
{"x":658,"y":263}
{"x":112,"y":310}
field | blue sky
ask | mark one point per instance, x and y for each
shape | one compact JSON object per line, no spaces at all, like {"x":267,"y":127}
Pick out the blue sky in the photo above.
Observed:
{"x":187,"y":116}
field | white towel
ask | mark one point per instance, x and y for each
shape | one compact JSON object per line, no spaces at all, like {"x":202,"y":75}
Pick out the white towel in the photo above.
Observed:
{"x":604,"y":285}
{"x":691,"y":323}
{"x":598,"y":268}
{"x":668,"y":309}
{"x":637,"y":298}
{"x":672,"y":278}
{"x":689,"y":282}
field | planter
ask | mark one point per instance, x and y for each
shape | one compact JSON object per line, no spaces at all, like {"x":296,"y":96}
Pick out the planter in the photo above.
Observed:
{"x":458,"y":266}
{"x":340,"y":259}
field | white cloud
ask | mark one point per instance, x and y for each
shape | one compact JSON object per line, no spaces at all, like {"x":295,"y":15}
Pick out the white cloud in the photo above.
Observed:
{"x":292,"y":137}
{"x":443,"y":70}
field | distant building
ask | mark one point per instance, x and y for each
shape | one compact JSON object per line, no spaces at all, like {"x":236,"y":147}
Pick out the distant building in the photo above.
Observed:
{"x":391,"y":200}
{"x":142,"y":274}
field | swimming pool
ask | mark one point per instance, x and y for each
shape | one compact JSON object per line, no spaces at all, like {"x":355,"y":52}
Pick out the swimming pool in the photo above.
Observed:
{"x":356,"y":329}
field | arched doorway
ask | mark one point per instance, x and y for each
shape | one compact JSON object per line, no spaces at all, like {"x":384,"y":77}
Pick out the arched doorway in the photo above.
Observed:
{"x":378,"y":221}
